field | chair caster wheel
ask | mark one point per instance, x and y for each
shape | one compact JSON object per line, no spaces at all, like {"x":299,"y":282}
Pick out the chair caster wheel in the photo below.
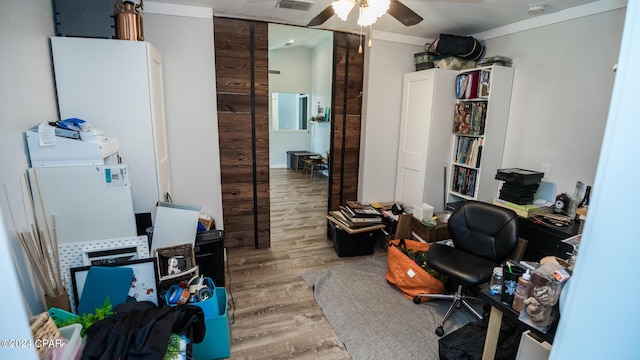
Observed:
{"x":417,"y":300}
{"x":439,"y":331}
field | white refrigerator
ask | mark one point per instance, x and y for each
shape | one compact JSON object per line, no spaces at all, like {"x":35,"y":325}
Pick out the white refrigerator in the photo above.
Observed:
{"x":84,"y":203}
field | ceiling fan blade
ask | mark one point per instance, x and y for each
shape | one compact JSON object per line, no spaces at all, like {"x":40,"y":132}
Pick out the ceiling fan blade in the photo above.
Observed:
{"x":403,"y":14}
{"x":322,"y":17}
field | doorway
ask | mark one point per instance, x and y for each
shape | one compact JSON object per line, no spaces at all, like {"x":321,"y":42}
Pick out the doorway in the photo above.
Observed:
{"x":300,"y":73}
{"x":242,"y":87}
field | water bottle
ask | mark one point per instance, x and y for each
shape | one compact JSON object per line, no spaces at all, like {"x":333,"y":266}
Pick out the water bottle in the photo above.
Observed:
{"x":495,"y":286}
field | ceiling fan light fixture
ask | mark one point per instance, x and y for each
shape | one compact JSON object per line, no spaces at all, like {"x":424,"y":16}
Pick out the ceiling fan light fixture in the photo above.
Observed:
{"x":371,"y":10}
{"x":378,"y":7}
{"x":342,"y":8}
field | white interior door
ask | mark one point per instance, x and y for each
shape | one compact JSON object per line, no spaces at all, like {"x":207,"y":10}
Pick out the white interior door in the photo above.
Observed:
{"x":414,"y":134}
{"x":159,"y":124}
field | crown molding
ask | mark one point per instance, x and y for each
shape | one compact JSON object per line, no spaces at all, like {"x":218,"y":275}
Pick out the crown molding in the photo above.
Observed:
{"x":177,"y":10}
{"x":399,"y":38}
{"x":577,"y":12}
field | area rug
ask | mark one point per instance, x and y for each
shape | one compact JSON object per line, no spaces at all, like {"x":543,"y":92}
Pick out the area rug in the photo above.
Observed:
{"x":373,"y":319}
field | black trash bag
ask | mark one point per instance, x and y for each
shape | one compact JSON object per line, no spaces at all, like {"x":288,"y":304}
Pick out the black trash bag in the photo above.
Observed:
{"x":465,"y":47}
{"x":467,"y":343}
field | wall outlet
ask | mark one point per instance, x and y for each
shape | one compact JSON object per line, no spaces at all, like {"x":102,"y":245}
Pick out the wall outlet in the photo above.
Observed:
{"x":546,"y":169}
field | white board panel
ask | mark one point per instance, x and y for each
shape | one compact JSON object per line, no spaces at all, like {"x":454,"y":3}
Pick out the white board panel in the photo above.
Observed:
{"x":175,"y":225}
{"x":86,"y":202}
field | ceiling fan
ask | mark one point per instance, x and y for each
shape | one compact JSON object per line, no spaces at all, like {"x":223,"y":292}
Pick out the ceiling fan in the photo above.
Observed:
{"x":396,"y":9}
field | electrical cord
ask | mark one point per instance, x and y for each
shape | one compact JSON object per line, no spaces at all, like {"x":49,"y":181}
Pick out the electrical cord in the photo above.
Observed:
{"x":231,"y":303}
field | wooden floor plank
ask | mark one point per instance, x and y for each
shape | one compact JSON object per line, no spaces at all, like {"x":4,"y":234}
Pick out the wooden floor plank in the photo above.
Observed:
{"x":275,"y":315}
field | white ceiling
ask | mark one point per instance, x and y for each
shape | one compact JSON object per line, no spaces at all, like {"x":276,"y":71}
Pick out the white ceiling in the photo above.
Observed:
{"x":459,"y":17}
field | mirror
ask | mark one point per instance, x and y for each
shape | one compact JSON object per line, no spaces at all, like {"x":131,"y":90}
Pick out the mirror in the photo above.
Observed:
{"x":289,"y":111}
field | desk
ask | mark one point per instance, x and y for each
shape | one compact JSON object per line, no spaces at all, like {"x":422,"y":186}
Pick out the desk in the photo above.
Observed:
{"x":295,"y":156}
{"x":544,"y":240}
{"x":498,"y":310}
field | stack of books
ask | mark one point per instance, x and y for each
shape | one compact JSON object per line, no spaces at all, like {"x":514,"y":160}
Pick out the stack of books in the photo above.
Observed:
{"x":356,"y":218}
{"x":520,"y":185}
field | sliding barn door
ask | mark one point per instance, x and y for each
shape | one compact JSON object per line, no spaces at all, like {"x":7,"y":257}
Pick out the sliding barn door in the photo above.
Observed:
{"x":241,"y":60}
{"x":346,"y":104}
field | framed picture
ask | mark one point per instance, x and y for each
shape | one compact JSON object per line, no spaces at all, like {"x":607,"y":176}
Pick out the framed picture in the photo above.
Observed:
{"x":144,"y":285}
{"x":109,"y":256}
{"x":75,"y":255}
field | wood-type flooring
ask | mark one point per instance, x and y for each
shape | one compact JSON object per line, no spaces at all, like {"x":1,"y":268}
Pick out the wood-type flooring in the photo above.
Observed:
{"x":274,"y":313}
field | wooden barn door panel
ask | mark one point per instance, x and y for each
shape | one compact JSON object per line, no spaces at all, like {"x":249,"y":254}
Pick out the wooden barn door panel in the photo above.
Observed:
{"x":347,"y":104}
{"x":241,"y":58}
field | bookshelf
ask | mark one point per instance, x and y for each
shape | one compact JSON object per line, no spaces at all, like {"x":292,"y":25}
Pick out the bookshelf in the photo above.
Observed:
{"x":480,"y":117}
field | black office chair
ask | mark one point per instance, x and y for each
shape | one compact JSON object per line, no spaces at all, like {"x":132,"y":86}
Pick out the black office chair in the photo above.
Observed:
{"x":483,"y":235}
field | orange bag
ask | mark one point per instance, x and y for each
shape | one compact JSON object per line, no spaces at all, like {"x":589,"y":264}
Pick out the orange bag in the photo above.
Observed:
{"x":408,"y":276}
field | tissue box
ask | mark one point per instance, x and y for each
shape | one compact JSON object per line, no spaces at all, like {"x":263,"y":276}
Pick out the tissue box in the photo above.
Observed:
{"x":423,"y":211}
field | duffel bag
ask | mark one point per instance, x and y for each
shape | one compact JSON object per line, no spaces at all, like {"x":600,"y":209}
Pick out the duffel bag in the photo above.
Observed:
{"x":405,"y":274}
{"x":465,"y":47}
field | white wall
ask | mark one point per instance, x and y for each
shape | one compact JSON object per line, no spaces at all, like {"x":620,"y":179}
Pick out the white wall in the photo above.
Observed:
{"x":561,"y":91}
{"x":319,"y":137}
{"x":602,"y":322}
{"x":294,"y":65}
{"x":14,"y":315}
{"x":191,"y":108}
{"x":385,"y":62}
{"x":322,"y":68}
{"x":560,"y":97}
{"x":27,"y":97}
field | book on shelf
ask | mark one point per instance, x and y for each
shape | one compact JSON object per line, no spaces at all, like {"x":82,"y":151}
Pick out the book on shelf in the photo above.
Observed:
{"x":478,"y":117}
{"x":472,"y":85}
{"x":526,"y":211}
{"x":468,"y":150}
{"x":484,"y":83}
{"x":464,"y":181}
{"x":469,"y":118}
{"x":462,"y":118}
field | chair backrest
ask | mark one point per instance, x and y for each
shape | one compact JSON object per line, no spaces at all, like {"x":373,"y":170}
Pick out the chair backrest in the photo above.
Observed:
{"x":485,"y":230}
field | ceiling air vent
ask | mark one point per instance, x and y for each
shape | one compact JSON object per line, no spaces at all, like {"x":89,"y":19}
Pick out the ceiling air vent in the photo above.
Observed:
{"x":294,"y":4}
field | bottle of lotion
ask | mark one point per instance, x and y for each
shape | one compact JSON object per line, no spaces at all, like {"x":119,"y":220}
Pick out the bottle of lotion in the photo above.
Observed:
{"x":522,"y":291}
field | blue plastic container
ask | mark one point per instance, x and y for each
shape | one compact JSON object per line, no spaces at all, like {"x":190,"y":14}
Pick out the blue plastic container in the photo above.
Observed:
{"x":209,"y":307}
{"x":217,"y":338}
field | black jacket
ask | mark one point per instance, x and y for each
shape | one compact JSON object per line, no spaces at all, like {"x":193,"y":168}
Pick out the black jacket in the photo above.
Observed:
{"x":141,"y":331}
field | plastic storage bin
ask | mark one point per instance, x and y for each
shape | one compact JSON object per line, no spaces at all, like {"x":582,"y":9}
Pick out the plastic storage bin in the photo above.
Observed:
{"x":357,"y":244}
{"x":72,"y":350}
{"x":209,"y":307}
{"x":217,"y":339}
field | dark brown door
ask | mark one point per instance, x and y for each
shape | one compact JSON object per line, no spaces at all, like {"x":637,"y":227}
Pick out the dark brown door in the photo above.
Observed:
{"x":241,"y":60}
{"x":348,"y":70}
